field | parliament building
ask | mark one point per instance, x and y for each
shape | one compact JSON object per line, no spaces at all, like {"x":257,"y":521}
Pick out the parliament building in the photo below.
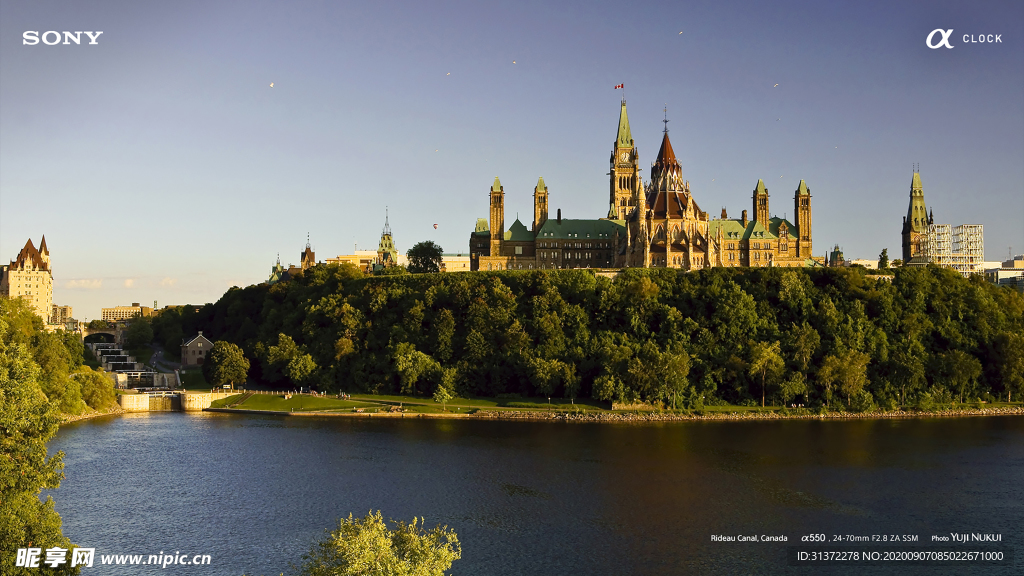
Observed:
{"x":649,"y":224}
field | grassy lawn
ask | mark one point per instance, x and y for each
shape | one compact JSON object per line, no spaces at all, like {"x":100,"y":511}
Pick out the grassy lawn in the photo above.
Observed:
{"x":300,"y":403}
{"x":142,"y":354}
{"x":489,"y":402}
{"x":193,"y":380}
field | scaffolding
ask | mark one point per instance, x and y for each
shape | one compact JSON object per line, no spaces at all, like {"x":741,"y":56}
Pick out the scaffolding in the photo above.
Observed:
{"x":961,"y":248}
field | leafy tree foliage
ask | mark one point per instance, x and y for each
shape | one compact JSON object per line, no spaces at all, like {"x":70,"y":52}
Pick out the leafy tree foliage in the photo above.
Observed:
{"x":845,"y":339}
{"x":140,"y":333}
{"x":225,"y":364}
{"x":425,"y":257}
{"x":368,"y":547}
{"x":97,"y":388}
{"x":28,"y":419}
{"x":883,"y":259}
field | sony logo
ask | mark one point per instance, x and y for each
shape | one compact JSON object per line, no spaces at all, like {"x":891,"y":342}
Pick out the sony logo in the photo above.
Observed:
{"x":32,"y":37}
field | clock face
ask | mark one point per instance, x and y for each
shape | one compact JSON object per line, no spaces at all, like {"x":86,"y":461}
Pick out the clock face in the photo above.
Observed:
{"x":624,"y":157}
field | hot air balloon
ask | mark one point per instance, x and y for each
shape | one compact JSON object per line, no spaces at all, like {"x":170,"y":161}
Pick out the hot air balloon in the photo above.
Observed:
{"x":435,"y":226}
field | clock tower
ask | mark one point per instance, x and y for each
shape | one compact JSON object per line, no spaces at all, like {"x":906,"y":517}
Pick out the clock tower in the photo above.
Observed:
{"x":624,"y":173}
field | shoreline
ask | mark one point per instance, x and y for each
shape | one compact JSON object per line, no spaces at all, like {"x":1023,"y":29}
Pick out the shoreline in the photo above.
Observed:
{"x":642,"y":417}
{"x":69,"y":418}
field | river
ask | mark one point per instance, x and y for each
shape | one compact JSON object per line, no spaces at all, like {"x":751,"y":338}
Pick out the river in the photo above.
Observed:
{"x":537,"y":497}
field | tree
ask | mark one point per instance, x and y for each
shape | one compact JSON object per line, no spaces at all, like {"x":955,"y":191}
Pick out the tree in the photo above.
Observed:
{"x":28,"y":420}
{"x":226,"y":364}
{"x":767,"y":363}
{"x":1010,"y":348}
{"x":140,"y":333}
{"x":883,"y":259}
{"x":97,"y":388}
{"x":957,"y":370}
{"x":99,"y":325}
{"x":369,"y":547}
{"x":446,"y":388}
{"x":425,"y":257}
{"x":897,"y":263}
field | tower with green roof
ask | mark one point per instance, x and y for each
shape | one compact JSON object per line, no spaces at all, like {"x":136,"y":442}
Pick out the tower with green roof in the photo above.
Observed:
{"x":624,"y":173}
{"x":915,"y":223}
{"x":540,"y":204}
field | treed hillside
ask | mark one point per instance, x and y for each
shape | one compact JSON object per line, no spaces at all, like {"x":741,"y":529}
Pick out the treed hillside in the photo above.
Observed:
{"x":829,"y":336}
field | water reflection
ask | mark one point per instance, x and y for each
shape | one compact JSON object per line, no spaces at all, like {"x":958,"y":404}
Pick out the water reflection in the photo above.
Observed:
{"x":539,"y":498}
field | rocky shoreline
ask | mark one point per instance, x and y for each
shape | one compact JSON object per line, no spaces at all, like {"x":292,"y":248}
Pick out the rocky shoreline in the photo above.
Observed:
{"x":640,"y":416}
{"x":68,"y":418}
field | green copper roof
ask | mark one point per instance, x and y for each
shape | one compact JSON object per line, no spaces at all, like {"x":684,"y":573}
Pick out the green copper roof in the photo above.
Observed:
{"x":581,"y":229}
{"x":917,"y":213}
{"x":760,"y":189}
{"x":517,"y":232}
{"x":774,"y":223}
{"x":540,"y":184}
{"x":624,"y":139}
{"x":734,"y":230}
{"x":481,"y":225}
{"x":802,"y":189}
{"x":496,"y":187}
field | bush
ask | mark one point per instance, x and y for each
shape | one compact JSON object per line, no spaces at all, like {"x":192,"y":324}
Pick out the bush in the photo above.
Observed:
{"x":97,"y":389}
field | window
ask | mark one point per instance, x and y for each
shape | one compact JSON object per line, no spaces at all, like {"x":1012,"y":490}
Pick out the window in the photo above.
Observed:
{"x":519,"y":250}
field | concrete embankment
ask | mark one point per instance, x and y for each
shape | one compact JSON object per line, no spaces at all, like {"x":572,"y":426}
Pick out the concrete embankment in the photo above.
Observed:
{"x":187,"y":401}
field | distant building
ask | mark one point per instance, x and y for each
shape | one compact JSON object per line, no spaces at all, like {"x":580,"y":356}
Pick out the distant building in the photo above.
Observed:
{"x":835,"y":258}
{"x":869,"y":264}
{"x":455,"y":263}
{"x":1010,"y":273}
{"x":362,"y":259}
{"x":30,"y":277}
{"x":960,"y":248}
{"x":195,"y":350}
{"x":125,"y":312}
{"x":60,"y":314}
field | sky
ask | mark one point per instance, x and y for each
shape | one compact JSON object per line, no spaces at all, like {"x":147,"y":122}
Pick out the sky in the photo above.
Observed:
{"x":162,"y":166}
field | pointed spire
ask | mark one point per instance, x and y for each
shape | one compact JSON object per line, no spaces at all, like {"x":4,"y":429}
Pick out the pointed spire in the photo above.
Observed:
{"x":666,"y":155}
{"x":915,"y":184}
{"x":42,"y":246}
{"x":496,"y":187}
{"x":760,"y":189}
{"x":387,"y":225}
{"x":540,"y":184}
{"x":624,"y":139}
{"x":802,"y":189}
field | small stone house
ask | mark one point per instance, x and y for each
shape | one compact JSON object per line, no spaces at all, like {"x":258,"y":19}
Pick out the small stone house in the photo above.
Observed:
{"x":194,"y":351}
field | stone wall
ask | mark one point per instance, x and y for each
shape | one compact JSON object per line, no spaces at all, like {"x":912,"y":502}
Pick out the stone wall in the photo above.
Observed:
{"x":134,"y":402}
{"x":200,"y":400}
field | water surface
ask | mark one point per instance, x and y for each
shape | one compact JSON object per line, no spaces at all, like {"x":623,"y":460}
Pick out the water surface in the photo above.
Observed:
{"x":535,"y":497}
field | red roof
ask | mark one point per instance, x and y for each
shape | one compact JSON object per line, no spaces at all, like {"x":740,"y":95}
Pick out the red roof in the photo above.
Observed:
{"x":28,"y":257}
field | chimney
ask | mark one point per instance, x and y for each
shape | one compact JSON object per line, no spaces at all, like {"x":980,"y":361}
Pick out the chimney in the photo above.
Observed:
{"x":559,"y":215}
{"x":745,"y":219}
{"x":724,"y":214}
{"x":200,"y":332}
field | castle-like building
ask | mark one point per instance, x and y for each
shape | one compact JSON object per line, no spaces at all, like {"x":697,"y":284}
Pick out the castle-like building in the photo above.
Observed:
{"x":652,"y":224}
{"x":30,"y":277}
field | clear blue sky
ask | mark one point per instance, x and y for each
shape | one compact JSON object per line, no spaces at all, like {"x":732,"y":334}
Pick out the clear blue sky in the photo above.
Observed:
{"x":161,"y":165}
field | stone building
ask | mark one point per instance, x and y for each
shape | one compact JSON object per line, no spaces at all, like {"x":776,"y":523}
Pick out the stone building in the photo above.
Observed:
{"x":30,"y":277}
{"x":653,"y":224}
{"x":125,"y":312}
{"x":915,"y":223}
{"x":195,"y":350}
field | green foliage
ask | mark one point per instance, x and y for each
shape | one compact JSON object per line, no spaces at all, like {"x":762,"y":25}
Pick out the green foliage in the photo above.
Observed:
{"x":97,"y":389}
{"x":225,"y":364}
{"x":28,"y":420}
{"x":883,"y":259}
{"x":657,"y":336}
{"x":140,"y":332}
{"x":369,"y":547}
{"x":99,"y":325}
{"x":425,"y":257}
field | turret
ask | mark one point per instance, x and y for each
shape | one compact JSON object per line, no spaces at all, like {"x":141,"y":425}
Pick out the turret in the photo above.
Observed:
{"x":760,"y":201}
{"x":540,"y":205}
{"x":624,"y":172}
{"x":802,"y":211}
{"x":497,"y":216}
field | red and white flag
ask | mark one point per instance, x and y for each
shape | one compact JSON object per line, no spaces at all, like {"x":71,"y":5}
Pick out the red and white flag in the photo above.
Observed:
{"x":617,"y":86}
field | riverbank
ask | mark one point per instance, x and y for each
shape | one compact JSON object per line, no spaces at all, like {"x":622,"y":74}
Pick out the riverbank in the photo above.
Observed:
{"x":68,"y":418}
{"x":642,"y":416}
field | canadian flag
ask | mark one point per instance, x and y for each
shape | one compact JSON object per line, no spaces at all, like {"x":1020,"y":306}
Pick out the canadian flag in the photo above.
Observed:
{"x":617,"y":86}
